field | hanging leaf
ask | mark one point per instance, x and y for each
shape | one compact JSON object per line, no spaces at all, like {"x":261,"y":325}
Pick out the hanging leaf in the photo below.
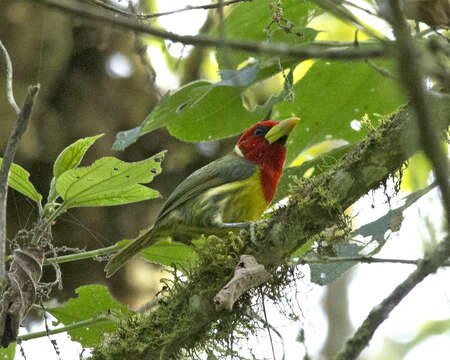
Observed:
{"x":19,"y":181}
{"x":375,"y":234}
{"x":72,"y":155}
{"x":109,"y":181}
{"x":93,"y":301}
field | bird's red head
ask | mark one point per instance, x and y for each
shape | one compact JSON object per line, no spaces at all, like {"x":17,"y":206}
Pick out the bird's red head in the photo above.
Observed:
{"x":264,"y":145}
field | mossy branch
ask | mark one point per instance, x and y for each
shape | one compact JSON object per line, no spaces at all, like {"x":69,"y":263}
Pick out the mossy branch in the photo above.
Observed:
{"x":186,"y":319}
{"x":318,"y":203}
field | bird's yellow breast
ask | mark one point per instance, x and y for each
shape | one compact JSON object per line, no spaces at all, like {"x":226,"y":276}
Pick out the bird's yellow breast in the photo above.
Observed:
{"x":238,"y":201}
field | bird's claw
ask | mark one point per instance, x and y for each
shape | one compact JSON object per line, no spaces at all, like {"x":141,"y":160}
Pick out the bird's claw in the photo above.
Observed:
{"x":249,"y":226}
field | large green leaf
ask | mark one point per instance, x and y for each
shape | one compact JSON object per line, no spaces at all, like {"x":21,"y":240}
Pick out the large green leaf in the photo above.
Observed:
{"x":204,"y":111}
{"x":249,"y":21}
{"x":109,"y":181}
{"x":211,"y":112}
{"x":72,"y":155}
{"x":92,"y":301}
{"x":183,"y":103}
{"x":19,"y":181}
{"x":331,"y":95}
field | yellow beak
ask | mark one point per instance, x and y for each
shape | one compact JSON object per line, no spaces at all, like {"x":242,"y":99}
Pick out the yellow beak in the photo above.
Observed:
{"x":283,"y":128}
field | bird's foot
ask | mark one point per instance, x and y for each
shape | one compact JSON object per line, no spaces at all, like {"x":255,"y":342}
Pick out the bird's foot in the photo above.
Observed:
{"x":248,"y":225}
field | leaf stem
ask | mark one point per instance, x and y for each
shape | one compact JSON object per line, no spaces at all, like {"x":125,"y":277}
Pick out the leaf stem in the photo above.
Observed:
{"x":82,"y":255}
{"x":77,"y":325}
{"x":46,"y":221}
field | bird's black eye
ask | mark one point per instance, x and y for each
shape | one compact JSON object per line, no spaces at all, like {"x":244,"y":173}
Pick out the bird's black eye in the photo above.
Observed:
{"x":261,"y":131}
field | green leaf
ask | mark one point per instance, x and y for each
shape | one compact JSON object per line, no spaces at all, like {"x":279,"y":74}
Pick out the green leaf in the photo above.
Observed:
{"x":250,"y":21}
{"x":19,"y":181}
{"x":376,"y":230}
{"x":375,"y":233}
{"x":72,"y":155}
{"x":126,"y":138}
{"x":205,"y":111}
{"x":245,"y":76}
{"x":92,"y":301}
{"x":211,"y":112}
{"x":162,"y":115}
{"x":217,"y":112}
{"x":170,"y":253}
{"x":331,"y":95}
{"x":323,"y":274}
{"x":109,"y":181}
{"x":9,"y":353}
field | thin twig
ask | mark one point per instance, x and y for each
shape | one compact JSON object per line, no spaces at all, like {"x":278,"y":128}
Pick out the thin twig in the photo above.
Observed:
{"x":155,"y":15}
{"x":359,"y":8}
{"x":9,"y":80}
{"x":47,"y":330}
{"x":413,"y":79}
{"x":380,"y":312}
{"x":305,"y":51}
{"x":267,"y":323}
{"x":141,"y":50}
{"x":360,"y":259}
{"x":23,"y":116}
{"x":380,"y":70}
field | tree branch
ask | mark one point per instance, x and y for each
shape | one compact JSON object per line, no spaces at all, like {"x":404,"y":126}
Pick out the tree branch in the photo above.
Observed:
{"x":23,"y":116}
{"x":300,"y":52}
{"x":380,"y":312}
{"x":186,"y":317}
{"x":411,"y":73}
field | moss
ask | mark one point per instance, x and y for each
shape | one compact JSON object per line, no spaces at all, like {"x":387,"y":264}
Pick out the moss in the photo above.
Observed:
{"x":186,"y":322}
{"x":372,"y":174}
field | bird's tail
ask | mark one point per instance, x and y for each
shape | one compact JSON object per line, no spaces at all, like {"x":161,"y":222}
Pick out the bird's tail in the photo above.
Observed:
{"x":144,"y":240}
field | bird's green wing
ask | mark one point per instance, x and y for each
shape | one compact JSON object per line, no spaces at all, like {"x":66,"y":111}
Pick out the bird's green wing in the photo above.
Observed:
{"x":225,"y":170}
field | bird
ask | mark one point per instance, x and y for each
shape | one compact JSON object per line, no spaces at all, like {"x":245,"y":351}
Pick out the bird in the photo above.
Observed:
{"x":227,"y":194}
